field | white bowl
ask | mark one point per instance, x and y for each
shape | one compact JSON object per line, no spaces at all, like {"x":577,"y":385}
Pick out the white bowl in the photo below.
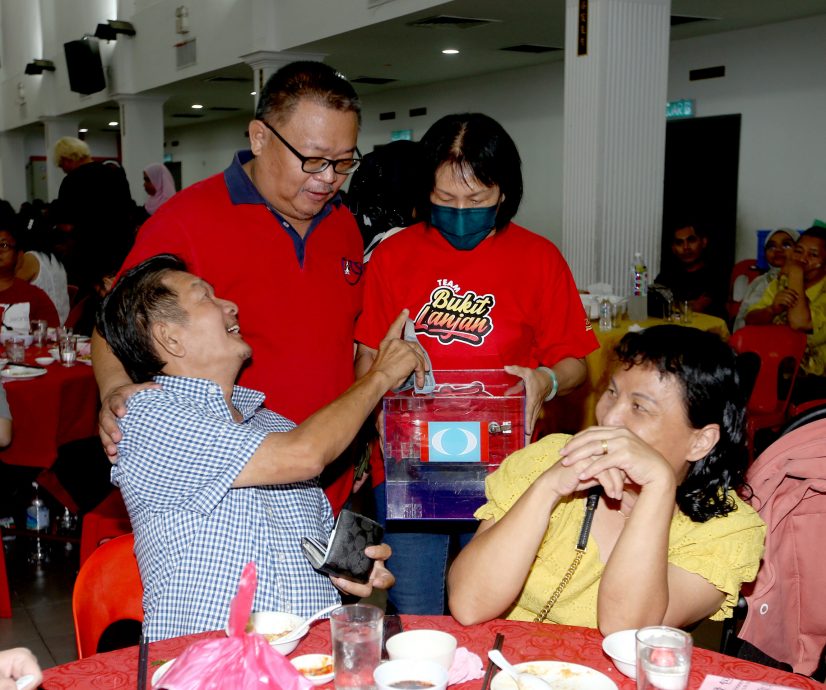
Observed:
{"x":44,"y":361}
{"x":423,"y":645}
{"x":621,"y":646}
{"x":431,"y":675}
{"x":54,"y":352}
{"x":275,"y":624}
{"x":317,"y":668}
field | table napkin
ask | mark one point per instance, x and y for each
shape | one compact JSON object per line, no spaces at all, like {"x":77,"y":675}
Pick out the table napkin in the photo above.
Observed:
{"x":466,"y":666}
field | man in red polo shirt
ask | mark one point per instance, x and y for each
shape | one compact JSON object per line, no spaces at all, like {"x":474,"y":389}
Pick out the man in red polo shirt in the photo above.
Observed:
{"x":271,"y":234}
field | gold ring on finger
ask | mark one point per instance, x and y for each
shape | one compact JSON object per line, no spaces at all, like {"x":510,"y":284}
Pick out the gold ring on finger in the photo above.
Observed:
{"x":604,"y":447}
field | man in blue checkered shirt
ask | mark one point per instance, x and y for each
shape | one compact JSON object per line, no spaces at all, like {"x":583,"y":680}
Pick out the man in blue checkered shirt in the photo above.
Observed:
{"x":211,"y":479}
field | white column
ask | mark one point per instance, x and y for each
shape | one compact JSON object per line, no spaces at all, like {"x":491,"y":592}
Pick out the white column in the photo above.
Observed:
{"x":614,"y":150}
{"x":141,"y":136}
{"x":265,"y":63}
{"x":55,"y":128}
{"x":13,"y":167}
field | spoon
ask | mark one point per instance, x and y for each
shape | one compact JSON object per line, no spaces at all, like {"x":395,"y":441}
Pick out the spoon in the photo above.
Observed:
{"x":299,"y":631}
{"x":524,"y":681}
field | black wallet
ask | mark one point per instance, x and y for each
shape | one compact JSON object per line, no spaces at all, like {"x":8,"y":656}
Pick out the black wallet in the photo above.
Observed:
{"x":343,"y":555}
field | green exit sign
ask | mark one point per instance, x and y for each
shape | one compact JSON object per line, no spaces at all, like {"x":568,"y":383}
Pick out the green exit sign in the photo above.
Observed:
{"x":675,"y":110}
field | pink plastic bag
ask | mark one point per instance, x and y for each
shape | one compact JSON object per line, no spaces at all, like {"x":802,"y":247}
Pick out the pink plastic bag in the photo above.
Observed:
{"x":241,"y":661}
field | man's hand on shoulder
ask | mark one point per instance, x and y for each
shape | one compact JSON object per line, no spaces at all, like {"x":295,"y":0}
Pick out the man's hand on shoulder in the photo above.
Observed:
{"x":380,"y":577}
{"x":112,"y":407}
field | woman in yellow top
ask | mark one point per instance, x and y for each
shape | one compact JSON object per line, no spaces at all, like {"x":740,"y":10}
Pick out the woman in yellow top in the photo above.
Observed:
{"x":670,"y":542}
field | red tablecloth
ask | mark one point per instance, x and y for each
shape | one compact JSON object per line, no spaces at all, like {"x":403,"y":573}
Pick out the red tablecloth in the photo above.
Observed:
{"x":523,"y":642}
{"x":48,"y":411}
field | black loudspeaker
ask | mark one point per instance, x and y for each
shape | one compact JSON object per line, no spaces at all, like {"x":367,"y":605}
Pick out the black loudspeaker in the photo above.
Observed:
{"x":84,"y":66}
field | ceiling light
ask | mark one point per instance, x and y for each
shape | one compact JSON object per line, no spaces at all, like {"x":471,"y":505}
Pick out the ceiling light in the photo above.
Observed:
{"x":450,"y":51}
{"x":197,"y":106}
{"x":253,"y":93}
{"x":113,"y":123}
{"x":83,"y":130}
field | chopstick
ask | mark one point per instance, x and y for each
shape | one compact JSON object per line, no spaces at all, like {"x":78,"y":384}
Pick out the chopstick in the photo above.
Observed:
{"x":497,"y":644}
{"x":143,"y":663}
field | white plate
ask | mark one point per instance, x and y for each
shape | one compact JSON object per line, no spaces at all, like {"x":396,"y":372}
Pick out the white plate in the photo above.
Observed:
{"x":159,"y":672}
{"x":560,"y":675}
{"x":15,"y":372}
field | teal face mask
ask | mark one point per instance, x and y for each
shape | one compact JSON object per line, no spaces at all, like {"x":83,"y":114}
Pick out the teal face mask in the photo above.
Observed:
{"x":464,"y":228}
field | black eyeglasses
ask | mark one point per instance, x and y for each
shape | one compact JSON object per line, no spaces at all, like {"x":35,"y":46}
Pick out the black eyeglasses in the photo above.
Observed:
{"x":316,"y":164}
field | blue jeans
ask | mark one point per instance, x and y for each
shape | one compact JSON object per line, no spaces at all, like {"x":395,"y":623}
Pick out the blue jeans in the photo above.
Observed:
{"x":420,"y":556}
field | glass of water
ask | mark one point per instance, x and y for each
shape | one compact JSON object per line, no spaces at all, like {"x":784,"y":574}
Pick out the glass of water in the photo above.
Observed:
{"x":356,"y":631}
{"x":663,"y":658}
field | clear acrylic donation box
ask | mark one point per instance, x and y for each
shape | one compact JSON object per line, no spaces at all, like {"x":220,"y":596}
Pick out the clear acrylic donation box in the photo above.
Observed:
{"x":439,"y":447}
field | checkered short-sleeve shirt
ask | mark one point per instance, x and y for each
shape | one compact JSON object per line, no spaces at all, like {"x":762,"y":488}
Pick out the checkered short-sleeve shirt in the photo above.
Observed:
{"x":194,"y":533}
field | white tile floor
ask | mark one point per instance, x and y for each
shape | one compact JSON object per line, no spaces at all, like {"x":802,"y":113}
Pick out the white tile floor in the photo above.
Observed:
{"x":41,"y":599}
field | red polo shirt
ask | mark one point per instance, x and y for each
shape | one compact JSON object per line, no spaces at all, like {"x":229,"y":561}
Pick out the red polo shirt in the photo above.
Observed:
{"x":297,"y":299}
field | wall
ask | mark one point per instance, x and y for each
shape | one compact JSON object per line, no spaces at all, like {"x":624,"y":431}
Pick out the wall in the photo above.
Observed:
{"x":534,"y":121}
{"x":776,"y":78}
{"x":208,"y":149}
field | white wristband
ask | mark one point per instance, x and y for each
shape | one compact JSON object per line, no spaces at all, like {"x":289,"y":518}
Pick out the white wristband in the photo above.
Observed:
{"x":554,"y":382}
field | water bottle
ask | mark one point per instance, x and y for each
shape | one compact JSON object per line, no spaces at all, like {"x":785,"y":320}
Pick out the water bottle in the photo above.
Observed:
{"x":605,"y":317}
{"x":37,"y":520}
{"x":638,"y":301}
{"x":37,"y":514}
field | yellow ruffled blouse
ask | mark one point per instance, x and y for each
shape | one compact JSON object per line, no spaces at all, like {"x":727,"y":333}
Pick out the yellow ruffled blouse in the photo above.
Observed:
{"x":725,"y":551}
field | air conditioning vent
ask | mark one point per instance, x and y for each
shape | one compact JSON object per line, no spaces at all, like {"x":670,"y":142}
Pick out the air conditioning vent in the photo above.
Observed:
{"x":447,"y":21}
{"x":185,"y":54}
{"x":677,"y":20}
{"x":531,"y":48}
{"x":374,"y":81}
{"x":229,"y":80}
{"x":224,"y":108}
{"x":188,"y":116}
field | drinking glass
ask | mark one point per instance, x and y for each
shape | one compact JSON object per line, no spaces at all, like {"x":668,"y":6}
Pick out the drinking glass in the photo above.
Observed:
{"x":663,"y":658}
{"x":356,"y":632}
{"x":16,"y":348}
{"x":39,"y":327}
{"x":688,"y":314}
{"x":67,"y":346}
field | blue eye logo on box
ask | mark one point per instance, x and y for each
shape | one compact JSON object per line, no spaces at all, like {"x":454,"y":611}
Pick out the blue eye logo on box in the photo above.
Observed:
{"x":454,"y":442}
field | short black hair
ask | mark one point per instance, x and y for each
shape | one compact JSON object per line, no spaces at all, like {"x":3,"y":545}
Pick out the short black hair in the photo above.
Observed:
{"x":139,"y":299}
{"x":816,"y":231}
{"x":384,"y":190}
{"x":306,"y":79}
{"x":706,"y":369}
{"x":475,"y":142}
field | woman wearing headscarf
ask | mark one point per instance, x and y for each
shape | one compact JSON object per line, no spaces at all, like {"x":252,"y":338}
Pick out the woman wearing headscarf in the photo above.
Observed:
{"x":159,"y":185}
{"x":778,"y":247}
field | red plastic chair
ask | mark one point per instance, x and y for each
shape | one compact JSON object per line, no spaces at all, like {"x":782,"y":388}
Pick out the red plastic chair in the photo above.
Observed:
{"x":780,"y":350}
{"x":108,"y":589}
{"x":5,"y":596}
{"x":748,"y":268}
{"x":107,"y":520}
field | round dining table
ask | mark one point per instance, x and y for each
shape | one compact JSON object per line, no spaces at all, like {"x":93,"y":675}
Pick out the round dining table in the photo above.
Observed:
{"x":49,"y":410}
{"x":522,"y":642}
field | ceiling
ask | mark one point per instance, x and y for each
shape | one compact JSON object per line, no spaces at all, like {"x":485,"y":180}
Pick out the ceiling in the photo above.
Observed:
{"x":408,"y":54}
